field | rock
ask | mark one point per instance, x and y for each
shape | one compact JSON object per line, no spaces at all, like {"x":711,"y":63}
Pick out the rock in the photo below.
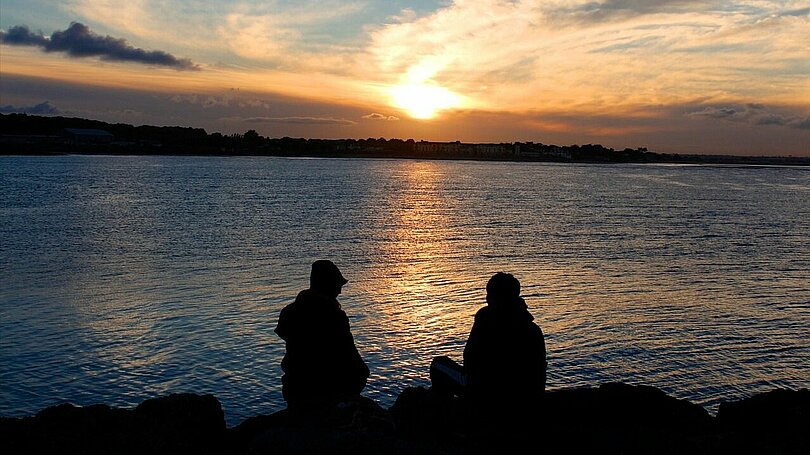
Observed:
{"x":622,"y":418}
{"x":68,"y":428}
{"x":433,"y":422}
{"x":614,"y":418}
{"x":356,"y":426}
{"x":181,"y":423}
{"x":176,"y":424}
{"x":775,"y":422}
{"x":609,"y":419}
{"x":418,"y":410}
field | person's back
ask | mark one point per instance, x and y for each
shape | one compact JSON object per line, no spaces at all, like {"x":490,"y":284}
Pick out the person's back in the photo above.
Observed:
{"x":505,"y":355}
{"x":322,"y":364}
{"x":503,"y":378}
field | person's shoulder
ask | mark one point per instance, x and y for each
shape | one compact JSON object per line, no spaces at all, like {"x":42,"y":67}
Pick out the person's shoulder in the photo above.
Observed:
{"x":304,"y":296}
{"x":483,"y":314}
{"x":295,"y":304}
{"x":287,"y":319}
{"x":485,"y":310}
{"x":296,"y":307}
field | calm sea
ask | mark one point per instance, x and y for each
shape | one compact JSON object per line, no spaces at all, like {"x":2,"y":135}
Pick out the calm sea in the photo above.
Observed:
{"x":124,"y":278}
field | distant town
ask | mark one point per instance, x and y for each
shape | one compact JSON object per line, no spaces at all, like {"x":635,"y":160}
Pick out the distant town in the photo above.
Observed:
{"x":37,"y":135}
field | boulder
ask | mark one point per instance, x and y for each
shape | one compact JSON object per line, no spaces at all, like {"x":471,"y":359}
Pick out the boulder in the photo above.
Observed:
{"x":356,"y":426}
{"x":775,"y":422}
{"x":623,"y":418}
{"x":613,"y":418}
{"x":176,"y":424}
{"x":433,"y":422}
{"x":180,"y":423}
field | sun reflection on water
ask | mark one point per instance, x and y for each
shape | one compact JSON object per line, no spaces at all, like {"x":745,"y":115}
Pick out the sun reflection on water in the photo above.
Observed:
{"x":122,"y":283}
{"x":415,"y":286}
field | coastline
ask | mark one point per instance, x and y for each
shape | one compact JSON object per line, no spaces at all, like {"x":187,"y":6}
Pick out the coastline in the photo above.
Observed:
{"x":43,"y":136}
{"x":610,"y":418}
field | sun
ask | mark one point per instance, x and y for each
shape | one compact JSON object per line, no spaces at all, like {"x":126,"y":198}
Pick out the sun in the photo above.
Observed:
{"x":423,"y":100}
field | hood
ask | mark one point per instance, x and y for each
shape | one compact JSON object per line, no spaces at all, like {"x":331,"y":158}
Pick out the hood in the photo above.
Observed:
{"x":513,"y":308}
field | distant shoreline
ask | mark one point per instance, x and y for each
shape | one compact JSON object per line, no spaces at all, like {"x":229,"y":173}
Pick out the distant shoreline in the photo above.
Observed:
{"x":725,"y":161}
{"x":30,"y":135}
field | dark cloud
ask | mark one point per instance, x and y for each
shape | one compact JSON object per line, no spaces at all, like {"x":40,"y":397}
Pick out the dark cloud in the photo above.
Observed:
{"x":752,"y":114}
{"x":796,"y":13}
{"x":20,"y":35}
{"x":206,"y":101}
{"x":802,"y":124}
{"x":640,"y":5}
{"x":301,"y":120}
{"x":376,"y":116}
{"x":620,"y":9}
{"x":233,"y":98}
{"x":79,"y":41}
{"x":44,"y":108}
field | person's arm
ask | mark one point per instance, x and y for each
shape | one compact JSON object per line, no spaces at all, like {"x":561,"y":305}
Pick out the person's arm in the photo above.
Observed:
{"x":474,"y":349}
{"x":357,"y":370}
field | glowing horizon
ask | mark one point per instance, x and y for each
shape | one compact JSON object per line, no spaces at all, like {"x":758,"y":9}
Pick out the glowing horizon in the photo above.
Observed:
{"x":671,"y":75}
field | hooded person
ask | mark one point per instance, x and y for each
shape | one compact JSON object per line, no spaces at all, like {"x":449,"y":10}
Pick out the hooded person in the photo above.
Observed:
{"x":502,"y":381}
{"x":505,"y":354}
{"x":321,"y":365}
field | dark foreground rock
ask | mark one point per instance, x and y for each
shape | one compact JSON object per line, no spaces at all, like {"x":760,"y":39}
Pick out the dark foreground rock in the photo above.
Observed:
{"x":613,"y":418}
{"x":177,"y":424}
{"x":354,"y":427}
{"x":609,"y":419}
{"x":773,"y":422}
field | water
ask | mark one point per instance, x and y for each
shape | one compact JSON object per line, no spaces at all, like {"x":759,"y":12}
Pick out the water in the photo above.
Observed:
{"x":124,"y":278}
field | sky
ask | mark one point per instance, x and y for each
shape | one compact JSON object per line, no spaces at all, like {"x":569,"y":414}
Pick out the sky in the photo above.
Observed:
{"x":675,"y":76}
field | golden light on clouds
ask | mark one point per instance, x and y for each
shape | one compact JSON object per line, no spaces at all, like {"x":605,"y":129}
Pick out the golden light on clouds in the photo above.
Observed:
{"x":618,"y":66}
{"x":519,"y":56}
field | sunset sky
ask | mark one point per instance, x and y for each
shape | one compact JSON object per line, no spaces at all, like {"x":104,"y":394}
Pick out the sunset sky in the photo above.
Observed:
{"x":675,"y":76}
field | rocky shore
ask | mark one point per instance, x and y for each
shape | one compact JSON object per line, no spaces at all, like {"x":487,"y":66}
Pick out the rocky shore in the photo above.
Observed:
{"x":612,"y":418}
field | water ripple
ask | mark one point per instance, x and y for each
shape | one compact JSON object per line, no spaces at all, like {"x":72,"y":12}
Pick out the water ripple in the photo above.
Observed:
{"x":126,"y":277}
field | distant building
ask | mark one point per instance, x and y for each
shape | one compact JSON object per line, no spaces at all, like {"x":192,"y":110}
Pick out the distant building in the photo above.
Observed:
{"x":458,"y":149}
{"x":440,"y":148}
{"x":531,"y":150}
{"x":491,"y":149}
{"x":84,"y":136}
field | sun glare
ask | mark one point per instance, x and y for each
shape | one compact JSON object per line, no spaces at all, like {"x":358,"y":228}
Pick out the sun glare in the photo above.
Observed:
{"x":422,"y":100}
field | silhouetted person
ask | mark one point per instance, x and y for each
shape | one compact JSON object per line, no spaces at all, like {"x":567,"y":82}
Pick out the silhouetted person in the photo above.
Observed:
{"x":321,"y":366}
{"x":505,"y":355}
{"x":504,"y":373}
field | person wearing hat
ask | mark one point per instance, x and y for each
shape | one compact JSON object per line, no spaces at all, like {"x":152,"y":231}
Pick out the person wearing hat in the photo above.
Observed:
{"x":321,"y":366}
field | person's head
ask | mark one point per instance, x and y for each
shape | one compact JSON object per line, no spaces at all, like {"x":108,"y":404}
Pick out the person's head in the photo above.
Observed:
{"x":502,"y":288}
{"x":326,"y":278}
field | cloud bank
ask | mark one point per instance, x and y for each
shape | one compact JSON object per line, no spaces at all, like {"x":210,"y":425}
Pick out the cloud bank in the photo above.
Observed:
{"x":753,"y":114}
{"x":44,"y":108}
{"x":301,"y":120}
{"x":79,"y":41}
{"x":377,"y":116}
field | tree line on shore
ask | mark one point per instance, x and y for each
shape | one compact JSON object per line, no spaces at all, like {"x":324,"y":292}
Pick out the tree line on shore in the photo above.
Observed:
{"x":42,"y":135}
